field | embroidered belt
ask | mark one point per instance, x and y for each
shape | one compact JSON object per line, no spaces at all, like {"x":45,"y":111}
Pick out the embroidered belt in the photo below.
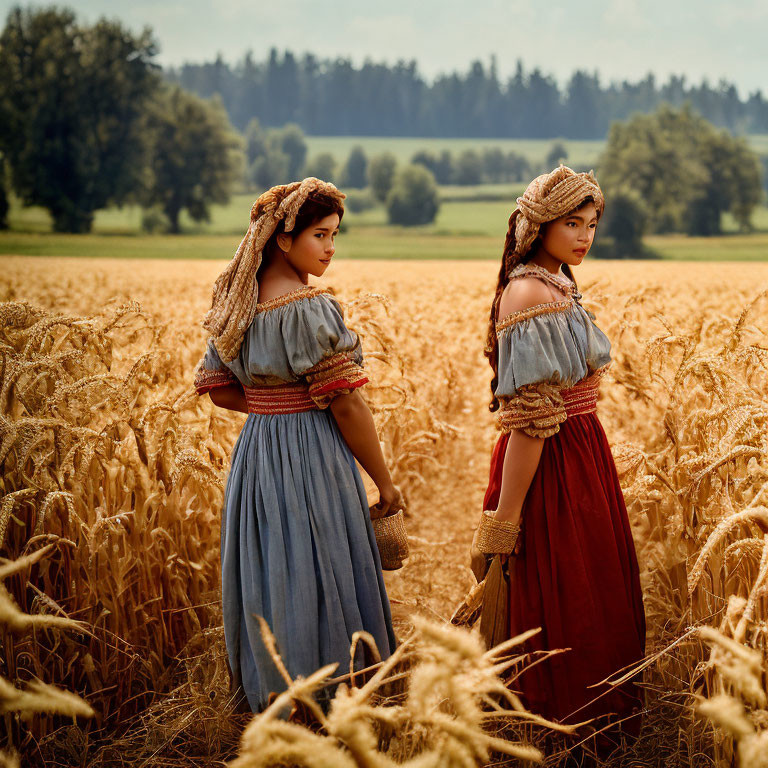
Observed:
{"x":285,"y":398}
{"x":582,"y":397}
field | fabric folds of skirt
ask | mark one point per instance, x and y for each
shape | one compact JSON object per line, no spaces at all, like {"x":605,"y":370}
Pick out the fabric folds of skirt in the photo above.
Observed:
{"x":577,"y":578}
{"x":298,"y":549}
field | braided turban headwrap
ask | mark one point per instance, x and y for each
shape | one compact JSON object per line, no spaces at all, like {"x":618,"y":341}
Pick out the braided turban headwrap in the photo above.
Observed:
{"x":236,"y":290}
{"x":548,"y":197}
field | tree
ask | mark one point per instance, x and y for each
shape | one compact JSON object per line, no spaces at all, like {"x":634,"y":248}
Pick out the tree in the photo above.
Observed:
{"x":557,"y":154}
{"x":543,"y":113}
{"x":624,"y":221}
{"x":516,"y":166}
{"x":322,"y":166}
{"x":764,"y":161}
{"x":585,"y":104}
{"x":733,"y":184}
{"x":274,"y":156}
{"x":469,"y":168}
{"x":336,"y":97}
{"x":441,"y":166}
{"x":255,"y":142}
{"x":413,"y":198}
{"x":381,"y":174}
{"x":290,"y":140}
{"x":445,"y":171}
{"x":71,"y":104}
{"x":270,"y":169}
{"x":494,"y":170}
{"x":355,"y":169}
{"x":428,"y":159}
{"x":195,"y":155}
{"x":4,"y":206}
{"x":686,"y":171}
{"x":265,"y":164}
{"x":282,"y":88}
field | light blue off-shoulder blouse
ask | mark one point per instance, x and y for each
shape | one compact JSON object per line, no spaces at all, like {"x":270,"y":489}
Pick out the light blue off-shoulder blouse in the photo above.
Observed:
{"x":557,"y":343}
{"x":288,"y":336}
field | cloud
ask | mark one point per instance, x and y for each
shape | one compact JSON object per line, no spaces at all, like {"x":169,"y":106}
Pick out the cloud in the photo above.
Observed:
{"x":624,"y":14}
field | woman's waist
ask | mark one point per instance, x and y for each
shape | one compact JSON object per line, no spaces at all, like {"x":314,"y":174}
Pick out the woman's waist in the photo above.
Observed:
{"x":286,"y":397}
{"x":582,"y":396}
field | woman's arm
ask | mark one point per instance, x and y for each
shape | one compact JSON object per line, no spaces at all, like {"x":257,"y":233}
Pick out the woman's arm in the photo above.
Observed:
{"x":231,"y":396}
{"x":523,"y":451}
{"x":521,"y":460}
{"x":356,"y":426}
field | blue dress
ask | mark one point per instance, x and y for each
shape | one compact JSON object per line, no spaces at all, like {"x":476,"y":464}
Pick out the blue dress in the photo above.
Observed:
{"x":297,"y":545}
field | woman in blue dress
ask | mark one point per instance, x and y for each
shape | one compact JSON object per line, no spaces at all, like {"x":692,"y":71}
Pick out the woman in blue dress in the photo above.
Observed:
{"x":297,"y":544}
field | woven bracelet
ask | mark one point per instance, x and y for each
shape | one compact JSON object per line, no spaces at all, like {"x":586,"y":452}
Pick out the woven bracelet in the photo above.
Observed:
{"x":495,"y":537}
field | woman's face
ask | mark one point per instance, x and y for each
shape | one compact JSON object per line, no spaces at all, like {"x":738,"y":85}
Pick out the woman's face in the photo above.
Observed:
{"x":311,"y":251}
{"x":569,"y":238}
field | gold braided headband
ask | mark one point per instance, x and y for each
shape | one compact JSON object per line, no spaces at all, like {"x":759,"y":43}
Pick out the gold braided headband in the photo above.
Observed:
{"x":236,"y":291}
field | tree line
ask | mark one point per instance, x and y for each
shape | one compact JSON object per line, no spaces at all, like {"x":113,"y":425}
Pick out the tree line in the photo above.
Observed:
{"x":275,"y":154}
{"x":88,"y":122}
{"x":409,"y":194}
{"x":329,"y":97}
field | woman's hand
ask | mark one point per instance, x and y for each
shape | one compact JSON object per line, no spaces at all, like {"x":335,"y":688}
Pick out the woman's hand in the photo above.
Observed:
{"x":390,"y":500}
{"x":478,"y":562}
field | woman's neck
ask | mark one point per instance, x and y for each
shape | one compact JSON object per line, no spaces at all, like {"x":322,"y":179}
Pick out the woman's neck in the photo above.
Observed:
{"x":279,"y":270}
{"x":547,"y":261}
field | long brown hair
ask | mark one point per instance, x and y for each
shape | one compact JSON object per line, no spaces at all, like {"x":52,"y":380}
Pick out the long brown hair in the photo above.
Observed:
{"x":509,"y":260}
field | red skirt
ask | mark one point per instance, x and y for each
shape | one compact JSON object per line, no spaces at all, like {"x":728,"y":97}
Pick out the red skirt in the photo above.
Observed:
{"x":577,"y":578}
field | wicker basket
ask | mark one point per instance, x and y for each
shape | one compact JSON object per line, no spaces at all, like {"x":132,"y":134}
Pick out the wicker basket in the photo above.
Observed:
{"x":392,"y":540}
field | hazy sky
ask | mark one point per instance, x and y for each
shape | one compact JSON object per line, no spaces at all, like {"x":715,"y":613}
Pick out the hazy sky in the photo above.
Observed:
{"x":618,"y":38}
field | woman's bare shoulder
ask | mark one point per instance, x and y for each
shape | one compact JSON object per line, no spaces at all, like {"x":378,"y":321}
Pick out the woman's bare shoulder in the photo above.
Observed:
{"x":269,"y":290}
{"x":523,"y":293}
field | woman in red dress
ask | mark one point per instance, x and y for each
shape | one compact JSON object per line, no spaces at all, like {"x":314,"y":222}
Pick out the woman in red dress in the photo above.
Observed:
{"x":554,"y":502}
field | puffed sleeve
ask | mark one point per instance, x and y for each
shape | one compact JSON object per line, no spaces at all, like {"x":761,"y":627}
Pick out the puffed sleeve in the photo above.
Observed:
{"x":542,"y":351}
{"x":323,"y":350}
{"x":211,"y":372}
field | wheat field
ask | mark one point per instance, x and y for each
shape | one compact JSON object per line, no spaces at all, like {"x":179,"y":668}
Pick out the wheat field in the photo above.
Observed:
{"x":113,"y":466}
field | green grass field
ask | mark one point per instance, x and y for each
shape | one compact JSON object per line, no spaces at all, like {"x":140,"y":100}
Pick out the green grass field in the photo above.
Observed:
{"x":481,"y":210}
{"x":534,"y":150}
{"x":358,"y":242}
{"x":759,"y":143}
{"x":580,"y":153}
{"x":725,"y":248}
{"x":471,"y":223}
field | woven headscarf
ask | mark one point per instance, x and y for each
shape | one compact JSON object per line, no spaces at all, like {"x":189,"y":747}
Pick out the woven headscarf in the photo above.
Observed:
{"x":236,"y":290}
{"x":548,"y":197}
